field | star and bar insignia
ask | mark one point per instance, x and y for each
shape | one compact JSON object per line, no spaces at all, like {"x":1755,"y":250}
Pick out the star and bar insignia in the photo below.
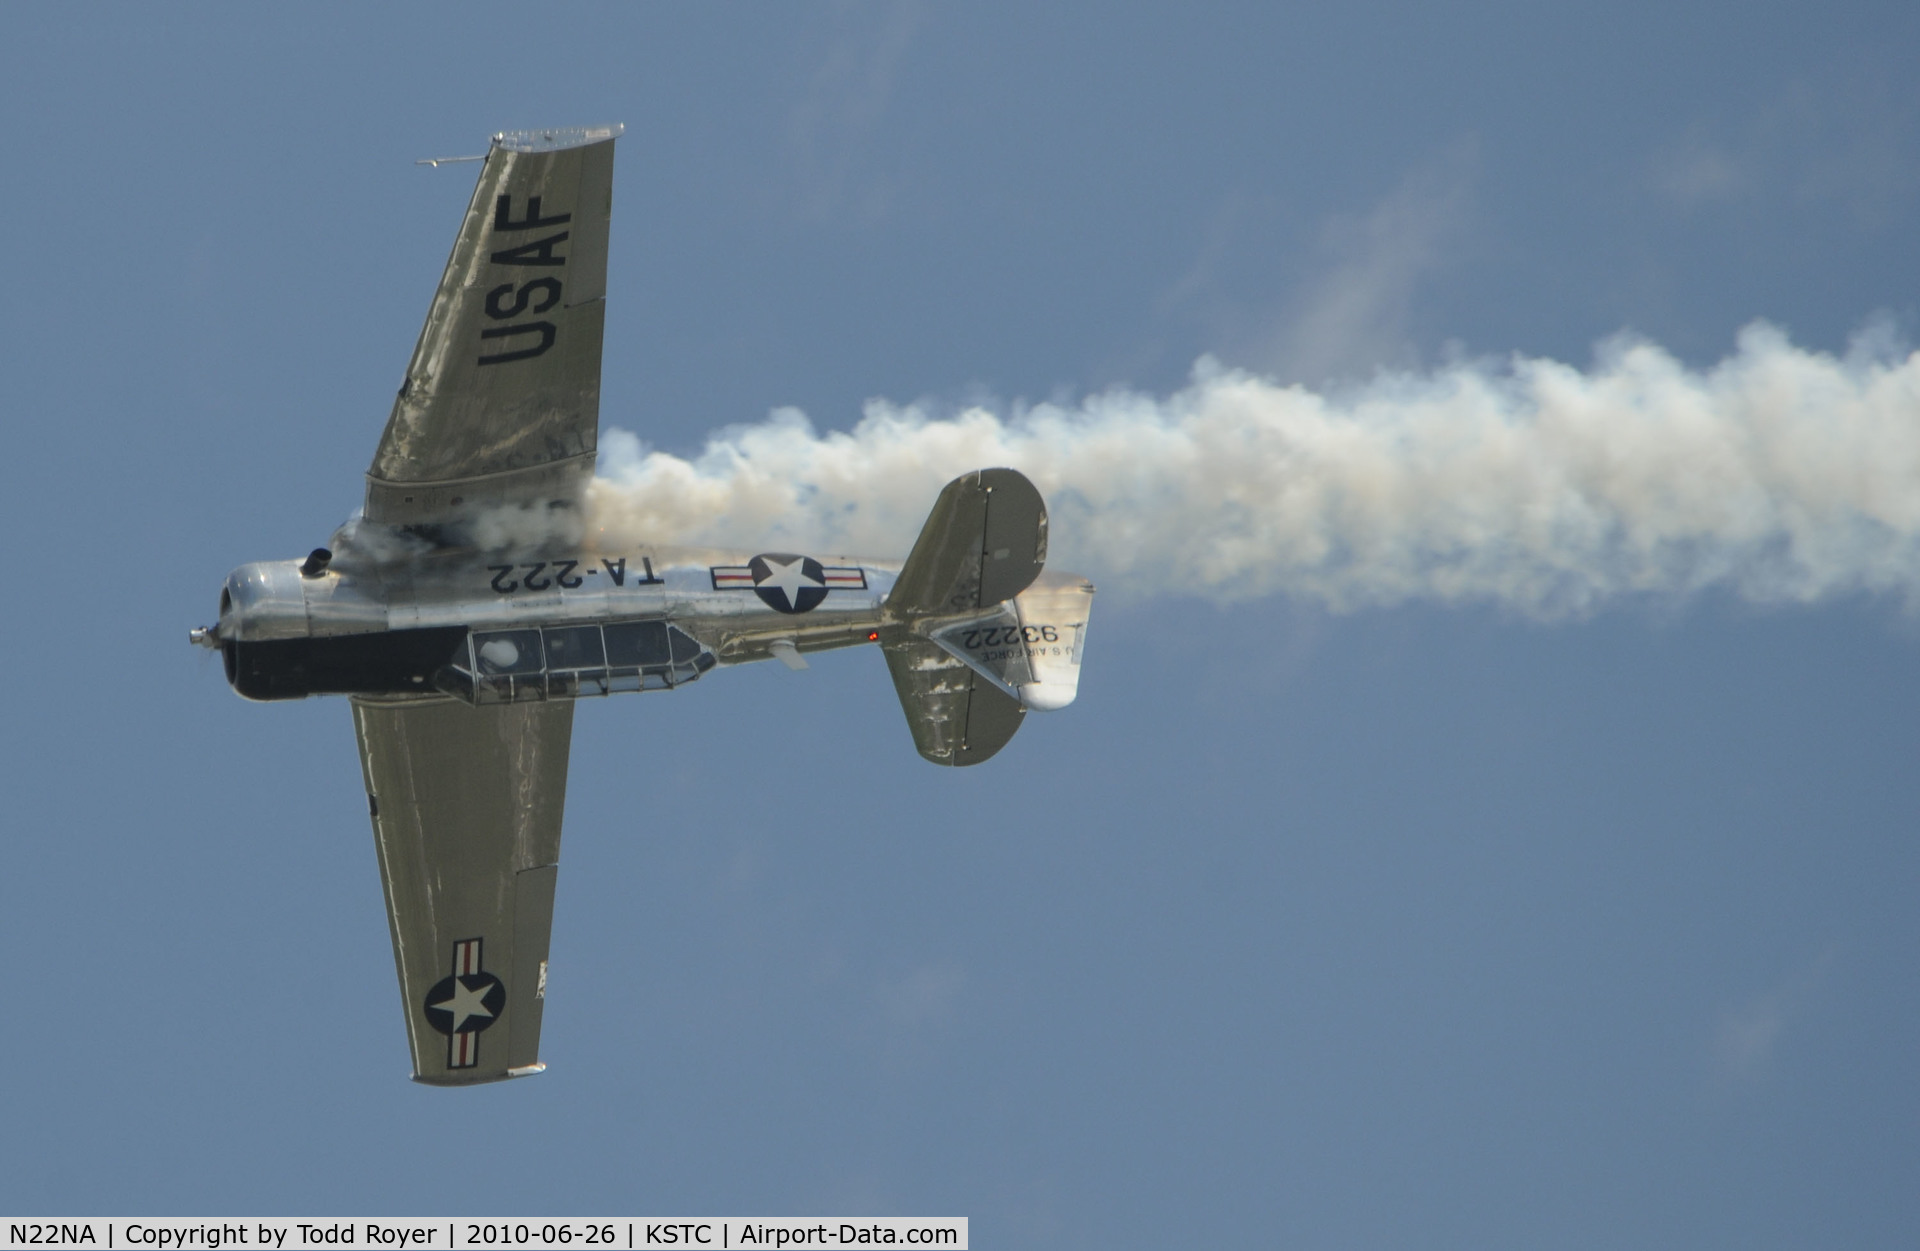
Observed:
{"x":788,"y":583}
{"x":464,"y":1003}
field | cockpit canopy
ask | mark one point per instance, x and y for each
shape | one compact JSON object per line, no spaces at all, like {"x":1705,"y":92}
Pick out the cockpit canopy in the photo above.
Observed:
{"x":573,"y":661}
{"x":478,"y":666}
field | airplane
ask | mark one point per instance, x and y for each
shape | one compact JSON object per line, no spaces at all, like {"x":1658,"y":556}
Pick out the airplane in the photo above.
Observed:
{"x":465,"y":608}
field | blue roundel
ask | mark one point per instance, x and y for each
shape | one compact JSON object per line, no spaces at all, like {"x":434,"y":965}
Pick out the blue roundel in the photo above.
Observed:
{"x":466,"y":1003}
{"x":788,"y":583}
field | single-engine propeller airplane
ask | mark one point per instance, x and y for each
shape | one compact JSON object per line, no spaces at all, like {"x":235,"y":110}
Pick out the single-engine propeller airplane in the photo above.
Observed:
{"x":465,"y":608}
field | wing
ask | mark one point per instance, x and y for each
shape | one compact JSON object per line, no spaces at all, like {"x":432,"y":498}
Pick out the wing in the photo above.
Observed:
{"x":501,"y":403}
{"x":957,"y":716}
{"x":466,"y":806}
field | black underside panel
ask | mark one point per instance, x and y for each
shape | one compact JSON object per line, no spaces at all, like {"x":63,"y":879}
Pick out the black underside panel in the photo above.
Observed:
{"x":363,"y":664}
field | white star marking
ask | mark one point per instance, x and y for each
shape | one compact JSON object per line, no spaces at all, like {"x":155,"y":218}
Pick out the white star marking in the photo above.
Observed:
{"x":465,"y":1004}
{"x":791,"y":578}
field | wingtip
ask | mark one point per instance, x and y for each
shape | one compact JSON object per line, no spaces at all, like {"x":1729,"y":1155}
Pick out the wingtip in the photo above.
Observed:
{"x":525,"y":1070}
{"x":557,"y":138}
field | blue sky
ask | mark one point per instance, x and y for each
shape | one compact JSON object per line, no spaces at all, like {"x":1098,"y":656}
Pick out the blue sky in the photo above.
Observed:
{"x":1423,"y":925}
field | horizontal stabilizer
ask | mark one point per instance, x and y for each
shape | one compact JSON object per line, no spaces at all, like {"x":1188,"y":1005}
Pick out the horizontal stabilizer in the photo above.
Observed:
{"x":985,"y":541}
{"x":958,"y":717}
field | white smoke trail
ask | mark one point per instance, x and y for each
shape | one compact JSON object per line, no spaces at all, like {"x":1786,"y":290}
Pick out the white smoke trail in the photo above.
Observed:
{"x":1779,"y":473}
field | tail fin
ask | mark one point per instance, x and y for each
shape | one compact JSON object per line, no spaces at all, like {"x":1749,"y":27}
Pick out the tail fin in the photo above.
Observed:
{"x":1030,"y":646}
{"x":976,"y":635}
